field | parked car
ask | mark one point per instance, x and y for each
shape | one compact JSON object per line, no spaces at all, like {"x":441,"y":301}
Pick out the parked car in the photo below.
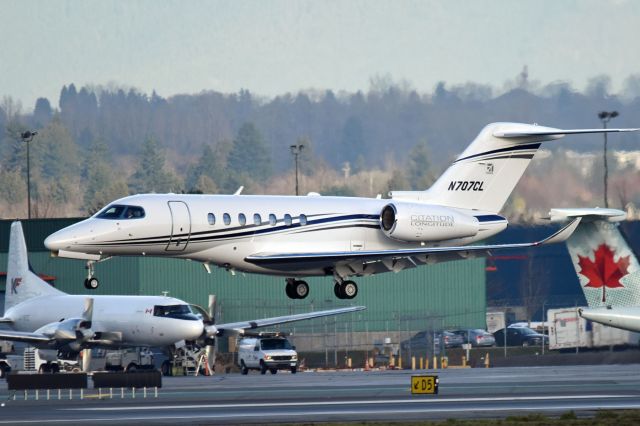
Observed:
{"x":520,"y":336}
{"x":420,"y":341}
{"x":477,"y":337}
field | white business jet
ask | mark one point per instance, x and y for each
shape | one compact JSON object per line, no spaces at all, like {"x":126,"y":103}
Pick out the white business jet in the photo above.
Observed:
{"x":50,"y":319}
{"x":608,"y":272}
{"x":340,"y":237}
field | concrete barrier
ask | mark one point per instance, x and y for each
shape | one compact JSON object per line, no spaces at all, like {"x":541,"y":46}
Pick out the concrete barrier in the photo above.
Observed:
{"x":16,"y":381}
{"x":138,"y":379}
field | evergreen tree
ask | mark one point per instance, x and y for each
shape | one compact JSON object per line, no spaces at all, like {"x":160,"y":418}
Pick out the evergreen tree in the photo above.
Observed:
{"x":151,"y":175}
{"x":42,"y":113}
{"x":102,"y":184}
{"x":418,"y":167}
{"x":352,"y":142}
{"x":249,"y":155}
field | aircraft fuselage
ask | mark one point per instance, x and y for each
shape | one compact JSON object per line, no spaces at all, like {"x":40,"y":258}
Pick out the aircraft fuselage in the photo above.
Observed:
{"x":224,"y":229}
{"x":138,"y":318}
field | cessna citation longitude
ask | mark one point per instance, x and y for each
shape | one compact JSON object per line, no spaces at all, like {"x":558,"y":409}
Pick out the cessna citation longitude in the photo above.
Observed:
{"x":65,"y":324}
{"x":296,"y":237}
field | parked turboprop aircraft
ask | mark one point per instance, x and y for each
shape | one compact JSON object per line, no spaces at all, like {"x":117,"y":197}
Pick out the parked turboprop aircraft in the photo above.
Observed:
{"x":297,"y":237}
{"x":48,"y":318}
{"x":608,"y":271}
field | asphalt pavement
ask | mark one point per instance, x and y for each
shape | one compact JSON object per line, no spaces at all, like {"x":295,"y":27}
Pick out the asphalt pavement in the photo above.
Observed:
{"x":341,"y":396}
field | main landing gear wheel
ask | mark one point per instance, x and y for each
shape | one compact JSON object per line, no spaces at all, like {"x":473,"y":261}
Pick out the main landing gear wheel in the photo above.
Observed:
{"x":345,"y":290}
{"x":296,"y":289}
{"x":91,"y":283}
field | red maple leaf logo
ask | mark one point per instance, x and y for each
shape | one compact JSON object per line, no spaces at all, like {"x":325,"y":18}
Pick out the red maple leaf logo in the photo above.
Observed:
{"x":604,"y":272}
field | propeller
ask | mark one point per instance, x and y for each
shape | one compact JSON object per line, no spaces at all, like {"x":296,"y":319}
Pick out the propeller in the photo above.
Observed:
{"x":74,"y":332}
{"x":210,"y":350}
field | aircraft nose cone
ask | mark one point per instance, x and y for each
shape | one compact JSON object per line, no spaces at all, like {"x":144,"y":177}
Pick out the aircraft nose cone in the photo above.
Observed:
{"x":57,"y":241}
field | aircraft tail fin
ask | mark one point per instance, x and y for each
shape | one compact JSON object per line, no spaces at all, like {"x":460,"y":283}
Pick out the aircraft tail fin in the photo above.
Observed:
{"x":485,"y":174}
{"x":607,"y":268}
{"x":22,"y":283}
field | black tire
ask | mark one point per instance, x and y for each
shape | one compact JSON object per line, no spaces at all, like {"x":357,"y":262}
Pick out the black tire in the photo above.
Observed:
{"x":349,"y":289}
{"x":132,"y":368}
{"x":263,"y":368}
{"x":525,"y":343}
{"x":55,"y":368}
{"x":43,"y":369}
{"x":4,"y":370}
{"x":93,"y":283}
{"x":290,"y":291}
{"x":274,"y":370}
{"x":294,"y":370}
{"x":165,"y":368}
{"x":243,"y":368}
{"x":336,"y":291}
{"x":301,"y":289}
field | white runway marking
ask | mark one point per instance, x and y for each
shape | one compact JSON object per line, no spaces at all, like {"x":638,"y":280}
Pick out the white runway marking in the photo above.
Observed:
{"x":417,"y":400}
{"x":321,"y":413}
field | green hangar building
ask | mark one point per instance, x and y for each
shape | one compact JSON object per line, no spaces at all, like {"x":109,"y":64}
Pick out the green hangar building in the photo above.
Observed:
{"x":443,"y":296}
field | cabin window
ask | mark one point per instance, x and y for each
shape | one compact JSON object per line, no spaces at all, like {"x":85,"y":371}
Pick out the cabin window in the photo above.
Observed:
{"x":272,"y":219}
{"x":287,"y":219}
{"x":257,"y":220}
{"x":303,"y":220}
{"x":226,"y":218}
{"x":242,"y":219}
{"x":211,"y":218}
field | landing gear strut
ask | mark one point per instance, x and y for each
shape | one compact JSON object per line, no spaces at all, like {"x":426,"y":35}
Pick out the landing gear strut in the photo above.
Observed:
{"x":296,"y":289}
{"x":345,"y":290}
{"x":91,"y":282}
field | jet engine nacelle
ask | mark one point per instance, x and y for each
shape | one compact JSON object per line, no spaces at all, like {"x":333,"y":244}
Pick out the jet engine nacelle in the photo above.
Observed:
{"x":413,"y":222}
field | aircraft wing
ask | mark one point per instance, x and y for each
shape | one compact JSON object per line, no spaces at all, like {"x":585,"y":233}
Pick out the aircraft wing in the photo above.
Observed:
{"x":240,"y":327}
{"x":23,"y":336}
{"x":359,"y":261}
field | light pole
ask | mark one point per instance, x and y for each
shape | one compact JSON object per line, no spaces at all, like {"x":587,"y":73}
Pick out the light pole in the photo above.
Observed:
{"x":296,"y":150}
{"x":605,"y":116}
{"x":28,"y":137}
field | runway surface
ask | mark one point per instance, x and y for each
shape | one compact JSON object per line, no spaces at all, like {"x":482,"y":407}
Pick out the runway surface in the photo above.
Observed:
{"x":345,"y":396}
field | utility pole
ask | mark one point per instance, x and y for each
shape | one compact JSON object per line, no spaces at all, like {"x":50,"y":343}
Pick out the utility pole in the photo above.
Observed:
{"x":296,"y":150}
{"x":28,"y":137}
{"x":605,"y":116}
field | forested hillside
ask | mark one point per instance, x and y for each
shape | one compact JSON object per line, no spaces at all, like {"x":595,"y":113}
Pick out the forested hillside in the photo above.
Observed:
{"x":95,"y":144}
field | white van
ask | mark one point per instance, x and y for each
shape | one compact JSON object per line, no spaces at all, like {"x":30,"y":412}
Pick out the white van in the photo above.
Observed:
{"x":267,"y":353}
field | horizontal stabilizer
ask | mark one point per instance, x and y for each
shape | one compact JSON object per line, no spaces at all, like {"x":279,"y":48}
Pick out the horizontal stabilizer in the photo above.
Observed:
{"x":549,"y":131}
{"x":587,"y":214}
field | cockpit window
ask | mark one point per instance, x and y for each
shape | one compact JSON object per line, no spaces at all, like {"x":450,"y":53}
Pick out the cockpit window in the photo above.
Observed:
{"x":200,"y":312}
{"x":270,"y":344}
{"x":174,"y":311}
{"x":118,"y":211}
{"x":111,"y":212}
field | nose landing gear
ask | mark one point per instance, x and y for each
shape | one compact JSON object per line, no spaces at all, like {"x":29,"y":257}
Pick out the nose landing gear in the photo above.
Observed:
{"x":91,"y":282}
{"x":296,"y":289}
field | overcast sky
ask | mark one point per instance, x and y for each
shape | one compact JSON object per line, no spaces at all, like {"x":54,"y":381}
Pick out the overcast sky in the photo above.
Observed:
{"x":272,"y":47}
